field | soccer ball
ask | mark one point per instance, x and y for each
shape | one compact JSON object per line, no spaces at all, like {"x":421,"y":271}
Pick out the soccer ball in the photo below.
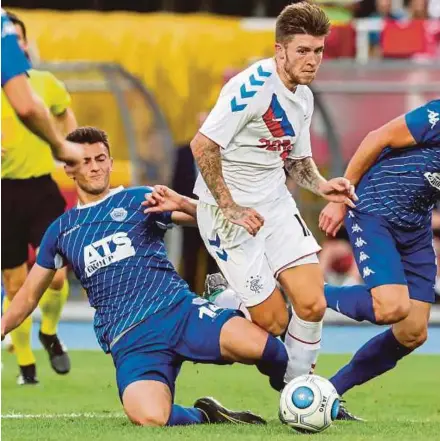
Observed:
{"x":309,"y":403}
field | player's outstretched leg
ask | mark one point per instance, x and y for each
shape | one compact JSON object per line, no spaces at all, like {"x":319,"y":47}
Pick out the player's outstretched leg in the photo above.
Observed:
{"x":381,"y":353}
{"x":245,"y":342}
{"x":149,"y":403}
{"x":51,"y":305}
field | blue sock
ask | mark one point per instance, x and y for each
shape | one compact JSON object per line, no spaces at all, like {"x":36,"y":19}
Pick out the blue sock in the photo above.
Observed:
{"x":378,"y":355}
{"x":273,"y":362}
{"x":181,"y":416}
{"x":353,"y":301}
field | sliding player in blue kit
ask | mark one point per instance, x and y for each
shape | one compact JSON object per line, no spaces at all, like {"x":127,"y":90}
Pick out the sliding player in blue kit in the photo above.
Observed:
{"x":397,"y":173}
{"x":146,"y":316}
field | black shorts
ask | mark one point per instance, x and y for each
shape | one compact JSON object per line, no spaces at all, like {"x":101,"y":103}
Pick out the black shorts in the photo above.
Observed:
{"x":29,"y":206}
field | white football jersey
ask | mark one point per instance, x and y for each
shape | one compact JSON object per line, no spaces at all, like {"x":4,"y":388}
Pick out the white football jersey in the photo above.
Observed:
{"x":258,"y":123}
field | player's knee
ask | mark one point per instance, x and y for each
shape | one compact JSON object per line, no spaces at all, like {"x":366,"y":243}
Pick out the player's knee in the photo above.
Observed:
{"x":389,"y":313}
{"x":413,"y":338}
{"x":13,"y":283}
{"x":150,"y":417}
{"x":58,"y":281}
{"x":311,"y":310}
{"x":274,"y":323}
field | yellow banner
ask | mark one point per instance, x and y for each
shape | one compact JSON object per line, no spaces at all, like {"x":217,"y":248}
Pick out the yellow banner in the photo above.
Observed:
{"x":182,"y":59}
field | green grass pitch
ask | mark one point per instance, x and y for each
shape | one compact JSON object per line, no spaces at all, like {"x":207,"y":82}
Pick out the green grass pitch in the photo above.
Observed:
{"x":401,"y":405}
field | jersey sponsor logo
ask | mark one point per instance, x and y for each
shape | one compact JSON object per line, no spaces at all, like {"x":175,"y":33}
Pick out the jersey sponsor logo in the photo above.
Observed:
{"x":106,"y":251}
{"x":256,"y":80}
{"x":119,"y":214}
{"x":278,"y":145}
{"x":433,"y":118}
{"x":433,"y":179}
{"x":276,"y":120}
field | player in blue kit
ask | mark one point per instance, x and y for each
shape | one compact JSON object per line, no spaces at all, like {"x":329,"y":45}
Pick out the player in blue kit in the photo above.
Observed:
{"x":397,"y":173}
{"x":146,"y":317}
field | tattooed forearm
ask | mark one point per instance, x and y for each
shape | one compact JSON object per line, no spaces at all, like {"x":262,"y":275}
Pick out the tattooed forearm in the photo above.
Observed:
{"x":208,"y":158}
{"x":305,"y":173}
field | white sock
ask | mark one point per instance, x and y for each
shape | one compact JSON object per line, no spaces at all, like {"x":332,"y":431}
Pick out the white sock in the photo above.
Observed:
{"x":229,"y":299}
{"x":303,"y":341}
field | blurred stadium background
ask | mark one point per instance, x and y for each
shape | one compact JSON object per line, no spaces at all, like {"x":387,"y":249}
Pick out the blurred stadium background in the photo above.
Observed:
{"x":147,"y":71}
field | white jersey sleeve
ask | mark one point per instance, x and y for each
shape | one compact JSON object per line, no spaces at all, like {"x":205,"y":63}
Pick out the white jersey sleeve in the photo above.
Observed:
{"x":302,"y":147}
{"x":229,"y":115}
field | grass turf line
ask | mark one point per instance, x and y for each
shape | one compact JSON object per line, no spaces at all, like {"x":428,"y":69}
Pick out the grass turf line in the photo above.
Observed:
{"x":401,"y":405}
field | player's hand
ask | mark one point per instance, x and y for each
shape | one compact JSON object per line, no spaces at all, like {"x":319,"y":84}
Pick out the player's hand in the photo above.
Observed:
{"x":162,"y":199}
{"x":245,"y":217}
{"x":331,"y":218}
{"x":70,"y":152}
{"x":339,"y":190}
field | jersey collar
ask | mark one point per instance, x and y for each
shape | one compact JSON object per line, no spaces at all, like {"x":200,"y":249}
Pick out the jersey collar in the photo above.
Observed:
{"x":92,"y":204}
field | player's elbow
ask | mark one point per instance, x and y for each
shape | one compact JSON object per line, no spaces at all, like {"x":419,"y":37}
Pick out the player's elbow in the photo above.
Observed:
{"x":26,"y":110}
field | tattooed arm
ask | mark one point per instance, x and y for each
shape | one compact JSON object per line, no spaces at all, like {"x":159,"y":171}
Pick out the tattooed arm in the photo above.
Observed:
{"x":207,"y":155}
{"x":306,"y":174}
{"x":208,"y":158}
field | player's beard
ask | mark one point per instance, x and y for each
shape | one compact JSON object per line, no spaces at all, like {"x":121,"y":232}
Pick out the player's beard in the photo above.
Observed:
{"x":288,"y":71}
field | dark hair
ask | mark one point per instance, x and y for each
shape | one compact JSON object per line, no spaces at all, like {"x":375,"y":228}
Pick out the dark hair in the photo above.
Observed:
{"x":16,"y":21}
{"x":301,"y":18}
{"x":89,"y":135}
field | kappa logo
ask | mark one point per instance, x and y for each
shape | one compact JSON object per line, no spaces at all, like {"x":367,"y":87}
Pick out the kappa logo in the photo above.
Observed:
{"x":433,"y":179}
{"x":433,"y":118}
{"x":119,"y":214}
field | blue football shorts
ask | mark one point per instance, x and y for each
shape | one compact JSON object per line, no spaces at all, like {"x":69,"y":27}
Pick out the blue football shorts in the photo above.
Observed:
{"x":386,"y":254}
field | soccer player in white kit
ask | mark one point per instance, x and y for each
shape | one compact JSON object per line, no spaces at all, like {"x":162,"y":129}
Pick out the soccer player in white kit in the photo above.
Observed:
{"x":246,"y":215}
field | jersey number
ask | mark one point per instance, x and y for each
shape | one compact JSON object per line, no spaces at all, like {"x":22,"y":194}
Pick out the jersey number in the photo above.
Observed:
{"x":210,"y":310}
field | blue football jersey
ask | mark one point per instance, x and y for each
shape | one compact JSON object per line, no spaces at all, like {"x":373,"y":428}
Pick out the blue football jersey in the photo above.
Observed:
{"x":118,"y":254}
{"x":404,"y":183}
{"x":14,"y":62}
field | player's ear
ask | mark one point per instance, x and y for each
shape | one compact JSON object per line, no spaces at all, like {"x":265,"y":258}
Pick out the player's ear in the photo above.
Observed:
{"x":70,"y":171}
{"x":111,"y":163}
{"x":280,"y":51}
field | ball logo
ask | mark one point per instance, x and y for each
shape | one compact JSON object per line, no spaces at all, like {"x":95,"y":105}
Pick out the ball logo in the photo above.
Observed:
{"x":119,"y":214}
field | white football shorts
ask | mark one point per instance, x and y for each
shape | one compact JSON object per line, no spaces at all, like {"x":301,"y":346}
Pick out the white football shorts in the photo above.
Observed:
{"x":250,"y":264}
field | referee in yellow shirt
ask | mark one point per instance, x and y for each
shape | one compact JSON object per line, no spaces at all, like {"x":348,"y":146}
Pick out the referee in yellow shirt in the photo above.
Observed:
{"x":30,"y":202}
